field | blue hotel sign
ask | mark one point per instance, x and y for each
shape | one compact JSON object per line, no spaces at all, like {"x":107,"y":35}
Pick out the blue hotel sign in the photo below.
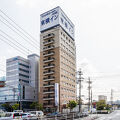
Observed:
{"x":56,"y":17}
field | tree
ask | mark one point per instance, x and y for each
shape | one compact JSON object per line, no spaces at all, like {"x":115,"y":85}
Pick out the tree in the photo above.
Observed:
{"x":7,"y":107}
{"x":15,"y":106}
{"x":36,"y":105}
{"x":72,"y":104}
{"x":101,"y":105}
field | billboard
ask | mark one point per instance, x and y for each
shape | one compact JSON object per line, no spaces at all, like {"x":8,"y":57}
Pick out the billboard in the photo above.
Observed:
{"x":56,"y":94}
{"x":54,"y":18}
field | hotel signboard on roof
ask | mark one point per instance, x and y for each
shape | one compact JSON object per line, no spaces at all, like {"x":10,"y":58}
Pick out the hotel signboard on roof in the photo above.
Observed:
{"x":54,"y":18}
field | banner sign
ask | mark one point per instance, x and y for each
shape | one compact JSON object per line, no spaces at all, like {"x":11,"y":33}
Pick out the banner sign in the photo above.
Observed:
{"x":56,"y":17}
{"x":56,"y":94}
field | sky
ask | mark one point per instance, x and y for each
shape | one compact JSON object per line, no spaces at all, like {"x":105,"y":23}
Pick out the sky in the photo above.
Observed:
{"x":97,"y":38}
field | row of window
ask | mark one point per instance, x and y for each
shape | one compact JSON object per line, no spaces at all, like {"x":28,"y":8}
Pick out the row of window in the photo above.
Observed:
{"x":67,"y":55}
{"x":27,"y":66}
{"x":67,"y":44}
{"x":68,"y":67}
{"x":67,"y":73}
{"x":23,"y":70}
{"x":67,"y":61}
{"x":67,"y":50}
{"x":67,"y":96}
{"x":67,"y":84}
{"x":26,"y":76}
{"x":68,"y":40}
{"x":67,"y":78}
{"x":68,"y":90}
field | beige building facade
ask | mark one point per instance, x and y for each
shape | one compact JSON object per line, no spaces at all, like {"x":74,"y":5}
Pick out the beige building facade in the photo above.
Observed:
{"x":57,"y":67}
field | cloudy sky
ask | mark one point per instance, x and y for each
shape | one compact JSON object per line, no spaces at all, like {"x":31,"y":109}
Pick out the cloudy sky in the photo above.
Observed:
{"x":97,"y":36}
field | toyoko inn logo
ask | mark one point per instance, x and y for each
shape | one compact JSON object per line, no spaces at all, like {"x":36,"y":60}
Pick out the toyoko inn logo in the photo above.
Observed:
{"x":49,"y":17}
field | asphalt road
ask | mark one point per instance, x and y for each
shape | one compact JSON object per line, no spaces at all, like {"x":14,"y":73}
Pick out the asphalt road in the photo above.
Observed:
{"x":112,"y":116}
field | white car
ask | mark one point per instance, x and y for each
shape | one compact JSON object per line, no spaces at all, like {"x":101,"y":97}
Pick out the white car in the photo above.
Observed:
{"x":11,"y":116}
{"x":26,"y":115}
{"x":37,"y":113}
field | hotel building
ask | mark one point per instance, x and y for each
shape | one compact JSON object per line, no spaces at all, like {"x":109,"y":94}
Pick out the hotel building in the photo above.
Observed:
{"x":57,"y":60}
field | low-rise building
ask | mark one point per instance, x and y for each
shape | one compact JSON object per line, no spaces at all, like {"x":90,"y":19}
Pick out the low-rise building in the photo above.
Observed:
{"x":21,"y":80}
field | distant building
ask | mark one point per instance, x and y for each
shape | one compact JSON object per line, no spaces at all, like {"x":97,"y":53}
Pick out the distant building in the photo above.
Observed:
{"x":21,"y":80}
{"x":102,"y":97}
{"x":2,"y":82}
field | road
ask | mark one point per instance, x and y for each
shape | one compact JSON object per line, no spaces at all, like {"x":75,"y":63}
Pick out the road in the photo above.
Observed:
{"x":112,"y":116}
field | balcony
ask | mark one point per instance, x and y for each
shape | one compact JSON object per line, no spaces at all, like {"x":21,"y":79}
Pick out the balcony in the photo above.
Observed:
{"x":48,"y":85}
{"x":48,"y":91}
{"x":48,"y":42}
{"x":48,"y":79}
{"x":48,"y":54}
{"x":48,"y":97}
{"x":48,"y":104}
{"x":48,"y":47}
{"x":48,"y":72}
{"x":51,"y":35}
{"x":49,"y":66}
{"x":49,"y":60}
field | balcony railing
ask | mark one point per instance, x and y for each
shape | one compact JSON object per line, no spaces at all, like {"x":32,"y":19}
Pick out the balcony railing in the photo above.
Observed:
{"x":48,"y":104}
{"x":48,"y":72}
{"x":48,"y":79}
{"x":48,"y":90}
{"x":49,"y":66}
{"x":48,"y":97}
{"x":49,"y":60}
{"x":48,"y":42}
{"x":48,"y":53}
{"x":48,"y":85}
{"x":48,"y":36}
{"x":48,"y":47}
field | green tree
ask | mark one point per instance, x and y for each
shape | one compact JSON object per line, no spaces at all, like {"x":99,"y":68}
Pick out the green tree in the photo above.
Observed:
{"x":15,"y":106}
{"x":7,"y":107}
{"x":72,"y":104}
{"x":36,"y":106}
{"x":101,"y":105}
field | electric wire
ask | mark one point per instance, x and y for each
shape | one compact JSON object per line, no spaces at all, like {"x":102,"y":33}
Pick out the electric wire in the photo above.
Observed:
{"x":19,"y":34}
{"x":17,"y":25}
{"x":15,"y":41}
{"x":13,"y":46}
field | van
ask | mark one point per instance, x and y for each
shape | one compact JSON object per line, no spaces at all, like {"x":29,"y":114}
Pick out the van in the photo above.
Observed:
{"x":37,"y":113}
{"x":11,"y":115}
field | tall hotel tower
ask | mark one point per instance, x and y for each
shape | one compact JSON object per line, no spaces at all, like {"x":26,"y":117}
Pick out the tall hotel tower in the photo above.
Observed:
{"x":57,"y":84}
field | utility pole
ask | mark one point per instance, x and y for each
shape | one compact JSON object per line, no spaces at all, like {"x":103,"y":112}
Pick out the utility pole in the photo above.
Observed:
{"x":91,"y":98}
{"x":89,"y":88}
{"x":111,"y":97}
{"x":80,"y":86}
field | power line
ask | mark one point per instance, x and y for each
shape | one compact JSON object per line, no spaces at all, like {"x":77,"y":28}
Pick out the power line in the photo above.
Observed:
{"x":17,"y":25}
{"x":15,"y":40}
{"x":17,"y":29}
{"x":18,"y":34}
{"x":13,"y":46}
{"x":11,"y":42}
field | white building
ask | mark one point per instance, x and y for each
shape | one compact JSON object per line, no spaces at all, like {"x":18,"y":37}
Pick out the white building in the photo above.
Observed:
{"x":102,"y":97}
{"x":21,"y":80}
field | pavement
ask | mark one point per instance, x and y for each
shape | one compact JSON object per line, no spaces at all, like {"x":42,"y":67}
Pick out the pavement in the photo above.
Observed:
{"x":112,"y":116}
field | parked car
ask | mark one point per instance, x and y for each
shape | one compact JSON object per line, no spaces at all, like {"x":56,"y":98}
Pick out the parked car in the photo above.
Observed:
{"x":26,"y":115}
{"x":36,"y":113}
{"x":2,"y":113}
{"x":18,"y":111}
{"x":11,"y":115}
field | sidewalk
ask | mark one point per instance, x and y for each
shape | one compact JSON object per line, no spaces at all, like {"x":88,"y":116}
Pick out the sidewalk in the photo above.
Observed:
{"x":90,"y":117}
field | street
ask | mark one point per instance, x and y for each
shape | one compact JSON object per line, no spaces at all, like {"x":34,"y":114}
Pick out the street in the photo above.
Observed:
{"x":113,"y":116}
